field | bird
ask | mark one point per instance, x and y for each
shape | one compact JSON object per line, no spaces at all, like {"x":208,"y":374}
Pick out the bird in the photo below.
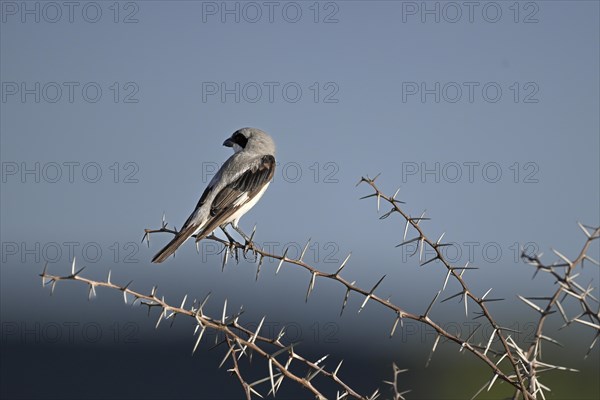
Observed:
{"x":232,"y":192}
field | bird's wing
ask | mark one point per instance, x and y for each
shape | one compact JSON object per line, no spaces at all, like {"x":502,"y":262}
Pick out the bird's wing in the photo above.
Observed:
{"x":237,"y":193}
{"x":192,"y":219}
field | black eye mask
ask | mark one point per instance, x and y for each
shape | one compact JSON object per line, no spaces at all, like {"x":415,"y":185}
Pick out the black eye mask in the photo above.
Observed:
{"x":240,"y":140}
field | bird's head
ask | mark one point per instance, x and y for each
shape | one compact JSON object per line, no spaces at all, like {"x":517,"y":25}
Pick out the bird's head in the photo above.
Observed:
{"x":251,"y":140}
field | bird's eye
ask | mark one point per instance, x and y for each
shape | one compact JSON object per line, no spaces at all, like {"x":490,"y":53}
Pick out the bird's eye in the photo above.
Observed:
{"x":240,"y":139}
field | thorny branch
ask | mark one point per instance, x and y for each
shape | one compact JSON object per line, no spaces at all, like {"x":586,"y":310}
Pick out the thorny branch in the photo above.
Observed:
{"x":523,"y":366}
{"x":466,"y":293}
{"x":394,"y":383}
{"x":240,"y":340}
{"x":486,"y":353}
{"x":567,"y":288}
{"x":477,"y":349}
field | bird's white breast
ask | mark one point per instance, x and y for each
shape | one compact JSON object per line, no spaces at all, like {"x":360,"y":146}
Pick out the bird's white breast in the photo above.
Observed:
{"x":246,"y":205}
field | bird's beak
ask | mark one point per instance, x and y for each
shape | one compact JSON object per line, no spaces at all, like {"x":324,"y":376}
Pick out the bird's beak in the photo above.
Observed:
{"x":228,"y":143}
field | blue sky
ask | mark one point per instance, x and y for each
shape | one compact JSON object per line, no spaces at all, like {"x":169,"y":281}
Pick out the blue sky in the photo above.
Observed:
{"x":501,"y":109}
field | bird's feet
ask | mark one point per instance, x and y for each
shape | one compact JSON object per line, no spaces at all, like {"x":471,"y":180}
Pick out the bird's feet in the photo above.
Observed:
{"x":232,"y":241}
{"x":242,"y":234}
{"x":232,"y":244}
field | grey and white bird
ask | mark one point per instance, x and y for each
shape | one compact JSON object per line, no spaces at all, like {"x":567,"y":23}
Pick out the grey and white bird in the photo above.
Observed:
{"x":233,"y":191}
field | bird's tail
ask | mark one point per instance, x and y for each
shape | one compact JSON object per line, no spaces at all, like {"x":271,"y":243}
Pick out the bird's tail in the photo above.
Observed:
{"x":177,"y":241}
